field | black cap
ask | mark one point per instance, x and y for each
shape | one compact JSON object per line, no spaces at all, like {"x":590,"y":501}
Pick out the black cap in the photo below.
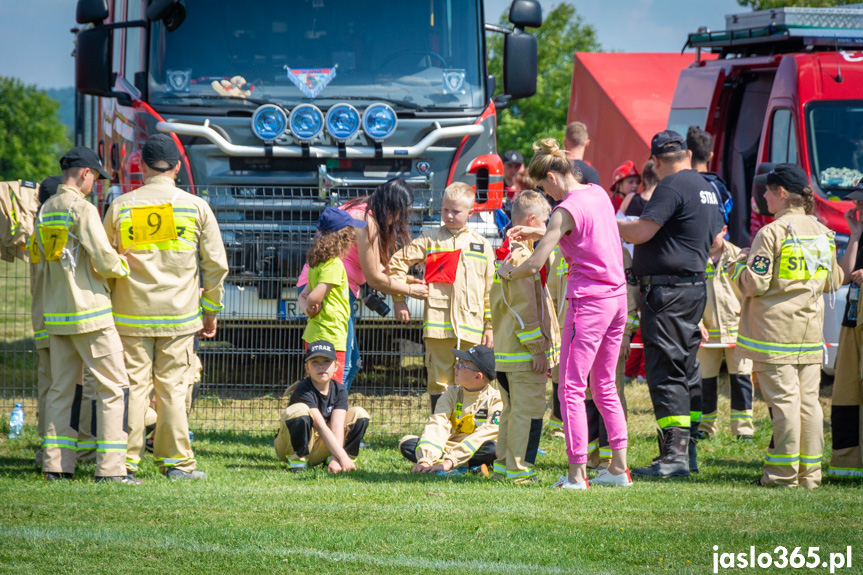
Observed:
{"x":789,"y":176}
{"x":660,"y":143}
{"x":320,"y":348}
{"x":480,"y":356}
{"x":83,"y":157}
{"x":48,"y":187}
{"x":512,"y":157}
{"x":160,"y":153}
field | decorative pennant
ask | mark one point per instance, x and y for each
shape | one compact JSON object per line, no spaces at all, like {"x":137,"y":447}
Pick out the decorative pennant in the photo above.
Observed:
{"x":311,"y":81}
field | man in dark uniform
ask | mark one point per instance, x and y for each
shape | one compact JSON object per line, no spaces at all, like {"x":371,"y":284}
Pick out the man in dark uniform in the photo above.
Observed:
{"x":575,"y":141}
{"x":672,"y":241}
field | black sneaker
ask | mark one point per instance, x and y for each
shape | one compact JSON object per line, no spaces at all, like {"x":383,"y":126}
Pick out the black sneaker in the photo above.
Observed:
{"x":178,"y":474}
{"x":51,"y":476}
{"x":746,"y":438}
{"x":124,"y":479}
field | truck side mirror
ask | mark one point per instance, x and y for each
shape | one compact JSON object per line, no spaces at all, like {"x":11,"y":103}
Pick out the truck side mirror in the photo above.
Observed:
{"x":91,"y":11}
{"x":94,"y":59}
{"x":519,"y":64}
{"x":172,"y":12}
{"x":524,"y":13}
{"x":758,"y":191}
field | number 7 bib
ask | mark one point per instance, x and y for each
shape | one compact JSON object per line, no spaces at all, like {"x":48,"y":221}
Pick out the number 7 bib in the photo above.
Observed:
{"x":151,"y":224}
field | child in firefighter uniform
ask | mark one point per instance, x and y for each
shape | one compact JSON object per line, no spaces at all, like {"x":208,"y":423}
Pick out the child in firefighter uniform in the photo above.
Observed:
{"x":791,"y":264}
{"x":77,"y":260}
{"x":459,"y":269}
{"x":720,"y":324}
{"x":174,"y":248}
{"x":845,"y":416}
{"x":526,"y":337}
{"x":462,"y":432}
{"x":598,"y":446}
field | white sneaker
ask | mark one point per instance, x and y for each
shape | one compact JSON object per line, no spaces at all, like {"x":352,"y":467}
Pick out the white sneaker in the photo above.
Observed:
{"x":564,"y":483}
{"x":605,"y":477}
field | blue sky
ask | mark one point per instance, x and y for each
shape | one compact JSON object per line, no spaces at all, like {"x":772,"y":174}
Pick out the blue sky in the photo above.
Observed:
{"x":35,"y":42}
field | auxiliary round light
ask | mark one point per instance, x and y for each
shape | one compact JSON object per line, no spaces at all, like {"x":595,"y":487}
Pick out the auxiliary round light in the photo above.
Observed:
{"x":343,"y":121}
{"x":269,"y":122}
{"x":379,"y":121}
{"x":306,"y":122}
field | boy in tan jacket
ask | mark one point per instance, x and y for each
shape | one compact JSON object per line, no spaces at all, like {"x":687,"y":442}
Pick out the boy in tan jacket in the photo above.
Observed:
{"x":459,"y":269}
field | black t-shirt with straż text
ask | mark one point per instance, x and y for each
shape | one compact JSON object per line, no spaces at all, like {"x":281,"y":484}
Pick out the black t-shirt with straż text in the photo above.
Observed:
{"x":686,"y":207}
{"x":589,"y":175}
{"x":306,"y":393}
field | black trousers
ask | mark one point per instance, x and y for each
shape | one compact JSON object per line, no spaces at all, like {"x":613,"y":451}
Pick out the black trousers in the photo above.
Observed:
{"x":485,"y":453}
{"x":669,"y":330}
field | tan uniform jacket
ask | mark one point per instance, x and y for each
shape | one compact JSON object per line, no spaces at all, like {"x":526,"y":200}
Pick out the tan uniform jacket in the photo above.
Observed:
{"x":722,"y":311}
{"x":37,"y":309}
{"x":523,"y":318}
{"x":77,"y":258}
{"x":161,"y":297}
{"x":465,"y":418}
{"x":783,"y":311}
{"x":18,"y":206}
{"x":461,"y":309}
{"x":633,"y":321}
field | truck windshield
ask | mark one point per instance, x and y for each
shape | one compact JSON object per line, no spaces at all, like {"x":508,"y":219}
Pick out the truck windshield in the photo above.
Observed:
{"x":426,"y":54}
{"x":836,"y":145}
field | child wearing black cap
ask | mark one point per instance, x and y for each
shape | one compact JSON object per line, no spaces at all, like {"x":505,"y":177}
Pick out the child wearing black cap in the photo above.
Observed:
{"x":326,"y":298}
{"x":462,"y":432}
{"x":317,"y":423}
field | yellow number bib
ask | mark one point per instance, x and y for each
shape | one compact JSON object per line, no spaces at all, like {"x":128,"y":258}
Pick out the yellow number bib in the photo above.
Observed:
{"x":54,"y":240}
{"x":151,"y":224}
{"x":35,"y":258}
{"x":793,"y":265}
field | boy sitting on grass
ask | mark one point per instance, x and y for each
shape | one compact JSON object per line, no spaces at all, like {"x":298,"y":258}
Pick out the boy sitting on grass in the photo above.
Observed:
{"x":317,"y":423}
{"x":462,"y":432}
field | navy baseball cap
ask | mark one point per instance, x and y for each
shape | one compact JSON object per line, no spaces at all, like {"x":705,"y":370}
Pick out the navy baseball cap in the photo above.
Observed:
{"x":160,"y":153}
{"x":83,"y":157}
{"x":661,"y":143}
{"x":789,"y":176}
{"x":512,"y":157}
{"x":481,"y":356}
{"x":48,"y":187}
{"x":334,"y":219}
{"x":320,"y":348}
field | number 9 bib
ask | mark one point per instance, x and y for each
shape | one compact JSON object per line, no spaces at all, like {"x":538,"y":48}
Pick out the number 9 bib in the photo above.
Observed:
{"x":151,"y":224}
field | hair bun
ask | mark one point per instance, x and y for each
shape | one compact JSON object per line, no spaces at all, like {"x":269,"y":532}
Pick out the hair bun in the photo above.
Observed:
{"x":546,"y":146}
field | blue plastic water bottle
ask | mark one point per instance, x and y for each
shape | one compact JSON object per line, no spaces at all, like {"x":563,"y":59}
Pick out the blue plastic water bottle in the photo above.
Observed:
{"x":16,"y":421}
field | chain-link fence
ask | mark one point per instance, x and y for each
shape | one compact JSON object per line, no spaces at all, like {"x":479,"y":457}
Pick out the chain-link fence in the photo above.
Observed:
{"x":258,"y":350}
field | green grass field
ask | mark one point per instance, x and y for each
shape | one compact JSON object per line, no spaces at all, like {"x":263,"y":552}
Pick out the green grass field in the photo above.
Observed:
{"x":251,"y":516}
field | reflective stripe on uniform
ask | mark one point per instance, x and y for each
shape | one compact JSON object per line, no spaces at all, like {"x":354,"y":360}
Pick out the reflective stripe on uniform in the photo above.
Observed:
{"x":605,"y":452}
{"x":779,"y":348}
{"x":499,"y":468}
{"x":171,"y":461}
{"x":811,"y":460}
{"x":782,"y":459}
{"x":555,"y":424}
{"x":520,"y":474}
{"x":674,"y":421}
{"x":110,"y":446}
{"x":296,"y":464}
{"x":592,"y":446}
{"x":844,"y":472}
{"x":85,"y":445}
{"x":469,"y":446}
{"x":739,"y":267}
{"x":210,"y":307}
{"x":694,"y":417}
{"x":41,"y":334}
{"x":156,"y":321}
{"x":526,"y":336}
{"x":427,"y":443}
{"x":59,"y":441}
{"x":78,"y":317}
{"x":709,"y":417}
{"x":131,"y":463}
{"x":740,"y":415}
{"x":448,"y":326}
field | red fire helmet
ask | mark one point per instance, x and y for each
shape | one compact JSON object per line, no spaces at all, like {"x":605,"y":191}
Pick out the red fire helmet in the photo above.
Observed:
{"x":625,"y":170}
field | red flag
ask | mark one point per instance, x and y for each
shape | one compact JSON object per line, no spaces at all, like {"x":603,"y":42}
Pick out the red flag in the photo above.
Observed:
{"x":442,"y":267}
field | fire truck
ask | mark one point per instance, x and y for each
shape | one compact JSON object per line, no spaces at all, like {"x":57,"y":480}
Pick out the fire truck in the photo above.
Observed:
{"x":282,"y":109}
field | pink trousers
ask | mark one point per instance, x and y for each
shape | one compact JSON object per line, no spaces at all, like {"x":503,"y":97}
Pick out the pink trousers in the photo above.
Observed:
{"x":590,"y":347}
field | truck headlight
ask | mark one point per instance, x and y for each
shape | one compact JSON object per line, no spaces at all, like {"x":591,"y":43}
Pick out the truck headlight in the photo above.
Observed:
{"x":379,"y":121}
{"x":306,"y":122}
{"x":269,"y":122}
{"x":343,"y":121}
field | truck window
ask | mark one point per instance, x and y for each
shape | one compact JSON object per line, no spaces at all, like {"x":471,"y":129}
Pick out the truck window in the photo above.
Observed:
{"x":680,"y":119}
{"x":835,"y":135}
{"x":783,"y":137}
{"x":134,"y":42}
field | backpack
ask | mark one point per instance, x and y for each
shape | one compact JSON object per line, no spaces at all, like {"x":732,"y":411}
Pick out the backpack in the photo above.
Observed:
{"x":725,"y":200}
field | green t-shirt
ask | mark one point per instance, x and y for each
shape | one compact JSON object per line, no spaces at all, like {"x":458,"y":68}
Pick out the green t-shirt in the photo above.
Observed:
{"x":331,"y":323}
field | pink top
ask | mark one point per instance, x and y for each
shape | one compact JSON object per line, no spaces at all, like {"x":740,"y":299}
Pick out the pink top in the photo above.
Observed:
{"x":356,"y":278}
{"x":593,"y":248}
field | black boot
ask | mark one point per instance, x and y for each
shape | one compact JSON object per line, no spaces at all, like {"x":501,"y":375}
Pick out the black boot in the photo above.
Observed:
{"x":673,"y":460}
{"x":693,"y":453}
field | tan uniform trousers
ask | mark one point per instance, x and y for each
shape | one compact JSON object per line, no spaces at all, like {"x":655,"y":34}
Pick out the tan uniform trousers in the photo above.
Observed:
{"x":845,"y":417}
{"x":86,"y":449}
{"x":523,"y":395}
{"x":318,"y":450}
{"x":791,"y":392}
{"x":101,"y":353}
{"x":440,"y":362}
{"x":598,"y":447}
{"x":711,"y":364}
{"x":160,"y":365}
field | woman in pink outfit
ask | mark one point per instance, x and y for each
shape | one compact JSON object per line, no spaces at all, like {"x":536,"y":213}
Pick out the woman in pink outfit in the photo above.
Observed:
{"x":584,"y":226}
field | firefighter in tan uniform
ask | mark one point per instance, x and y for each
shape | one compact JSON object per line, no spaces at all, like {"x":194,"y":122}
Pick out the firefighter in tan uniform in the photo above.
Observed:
{"x":598,"y":446}
{"x":85,"y":398}
{"x":459,"y":269}
{"x":791,"y":263}
{"x":462,"y":432}
{"x":77,"y":260}
{"x":174,"y":247}
{"x":719,"y":324}
{"x":845,"y":408}
{"x":526,"y":337}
